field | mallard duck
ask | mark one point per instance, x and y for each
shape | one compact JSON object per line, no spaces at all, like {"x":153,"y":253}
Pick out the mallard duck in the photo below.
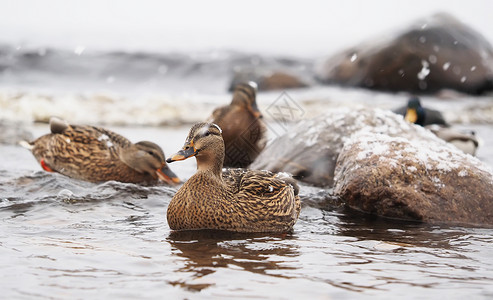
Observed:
{"x":96,"y":154}
{"x":417,"y":114}
{"x":465,"y":141}
{"x":434,"y":121}
{"x":236,"y":200}
{"x":243,"y":130}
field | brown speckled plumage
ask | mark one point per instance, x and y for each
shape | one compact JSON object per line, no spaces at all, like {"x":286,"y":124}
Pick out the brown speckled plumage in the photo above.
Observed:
{"x":243,"y":130}
{"x":234,"y":199}
{"x":96,"y":154}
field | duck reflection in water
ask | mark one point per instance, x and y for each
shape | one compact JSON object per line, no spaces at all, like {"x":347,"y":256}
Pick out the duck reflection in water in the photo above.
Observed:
{"x":207,"y":251}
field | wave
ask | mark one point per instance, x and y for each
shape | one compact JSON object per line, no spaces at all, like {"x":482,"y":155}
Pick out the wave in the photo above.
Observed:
{"x":41,"y":189}
{"x":161,"y":109}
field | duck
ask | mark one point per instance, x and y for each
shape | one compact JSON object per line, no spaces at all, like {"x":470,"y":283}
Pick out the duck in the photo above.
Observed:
{"x":415,"y":113}
{"x":465,"y":141}
{"x":434,"y":121}
{"x":96,"y":154}
{"x":233,"y":199}
{"x":244,"y":132}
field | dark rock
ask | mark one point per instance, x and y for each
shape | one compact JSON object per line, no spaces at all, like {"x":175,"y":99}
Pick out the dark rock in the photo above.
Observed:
{"x":435,"y":53}
{"x":267,"y":80}
{"x":422,"y":180}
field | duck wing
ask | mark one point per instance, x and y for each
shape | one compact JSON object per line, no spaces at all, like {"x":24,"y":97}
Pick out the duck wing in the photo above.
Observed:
{"x":80,"y":151}
{"x":219,"y":113}
{"x":433,"y":116}
{"x":267,"y":195}
{"x":88,"y":142}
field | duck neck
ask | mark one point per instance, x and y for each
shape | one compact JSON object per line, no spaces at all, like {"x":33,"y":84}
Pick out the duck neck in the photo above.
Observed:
{"x":209,"y":163}
{"x":130,"y":158}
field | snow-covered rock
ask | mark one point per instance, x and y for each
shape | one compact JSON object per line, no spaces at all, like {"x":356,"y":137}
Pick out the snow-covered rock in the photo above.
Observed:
{"x":413,"y":179}
{"x":310,"y":149}
{"x":381,"y":164}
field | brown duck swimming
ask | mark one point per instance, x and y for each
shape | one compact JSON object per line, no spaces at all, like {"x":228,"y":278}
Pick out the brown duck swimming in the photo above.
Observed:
{"x":243,"y":130}
{"x":235,"y":200}
{"x":97,"y":154}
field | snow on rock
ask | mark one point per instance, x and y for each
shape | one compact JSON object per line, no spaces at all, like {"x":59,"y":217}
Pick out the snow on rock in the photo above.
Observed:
{"x":310,"y":149}
{"x":414,"y":179}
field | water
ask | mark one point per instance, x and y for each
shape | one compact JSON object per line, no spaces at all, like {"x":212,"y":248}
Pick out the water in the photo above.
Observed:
{"x":65,"y":239}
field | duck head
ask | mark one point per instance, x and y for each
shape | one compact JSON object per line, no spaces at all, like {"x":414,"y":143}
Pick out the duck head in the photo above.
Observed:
{"x":415,"y":112}
{"x":245,"y":96}
{"x":148,"y":157}
{"x":206,"y":143}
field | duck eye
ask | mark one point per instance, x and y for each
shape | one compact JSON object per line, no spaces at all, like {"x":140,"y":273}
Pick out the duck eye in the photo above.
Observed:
{"x":207,"y":133}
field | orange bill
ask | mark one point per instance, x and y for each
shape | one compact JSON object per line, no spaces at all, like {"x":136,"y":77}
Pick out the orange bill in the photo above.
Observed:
{"x":411,"y":115}
{"x":186,"y":152}
{"x":168,"y":176}
{"x":255,"y":111}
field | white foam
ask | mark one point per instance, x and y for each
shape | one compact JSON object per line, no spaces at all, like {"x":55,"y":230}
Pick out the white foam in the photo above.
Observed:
{"x":170,"y":109}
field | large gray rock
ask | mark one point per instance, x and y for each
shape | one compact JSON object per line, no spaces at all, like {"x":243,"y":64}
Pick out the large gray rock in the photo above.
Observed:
{"x":422,"y":180}
{"x":434,"y":53}
{"x":310,"y":149}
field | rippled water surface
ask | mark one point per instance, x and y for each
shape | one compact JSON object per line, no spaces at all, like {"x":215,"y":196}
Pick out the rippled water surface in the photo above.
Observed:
{"x":66,"y":239}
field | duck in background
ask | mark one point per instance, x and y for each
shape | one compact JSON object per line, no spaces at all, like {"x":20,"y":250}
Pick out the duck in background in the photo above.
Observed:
{"x":243,"y":131}
{"x":237,"y":200}
{"x":96,"y":154}
{"x":415,"y":113}
{"x":465,"y":141}
{"x":433,"y":120}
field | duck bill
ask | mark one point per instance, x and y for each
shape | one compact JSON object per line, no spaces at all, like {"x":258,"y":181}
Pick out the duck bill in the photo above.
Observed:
{"x":411,"y":115}
{"x":255,"y":111}
{"x":183,"y":154}
{"x":168,"y":176}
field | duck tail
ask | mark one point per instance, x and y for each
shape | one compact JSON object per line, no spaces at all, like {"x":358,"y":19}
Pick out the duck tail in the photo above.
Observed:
{"x":26,"y":145}
{"x":289,"y":180}
{"x":57,"y":125}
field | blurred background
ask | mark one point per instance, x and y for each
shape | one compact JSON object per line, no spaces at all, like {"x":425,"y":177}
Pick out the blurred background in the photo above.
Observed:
{"x":76,"y":59}
{"x":298,"y":28}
